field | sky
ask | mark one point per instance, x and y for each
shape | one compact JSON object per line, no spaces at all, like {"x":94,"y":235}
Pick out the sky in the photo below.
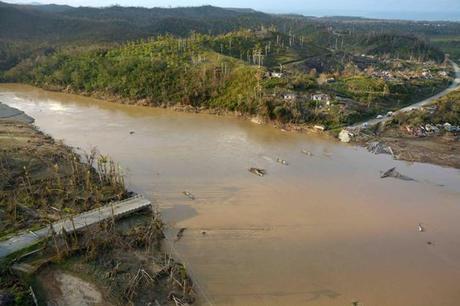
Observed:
{"x":405,"y":9}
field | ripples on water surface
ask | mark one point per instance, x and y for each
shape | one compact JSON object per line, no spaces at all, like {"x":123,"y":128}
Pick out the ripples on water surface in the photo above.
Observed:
{"x":324,"y":230}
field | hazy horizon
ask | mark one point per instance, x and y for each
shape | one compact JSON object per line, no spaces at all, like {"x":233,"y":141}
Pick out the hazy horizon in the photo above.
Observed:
{"x":385,"y":9}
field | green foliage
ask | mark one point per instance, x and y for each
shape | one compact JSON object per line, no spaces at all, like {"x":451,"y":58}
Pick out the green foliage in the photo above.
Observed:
{"x":242,"y":91}
{"x":282,"y":113}
{"x":165,"y":70}
{"x":447,"y":110}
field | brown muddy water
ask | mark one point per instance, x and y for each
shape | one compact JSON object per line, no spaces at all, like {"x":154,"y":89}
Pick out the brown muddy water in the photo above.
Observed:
{"x":324,"y":230}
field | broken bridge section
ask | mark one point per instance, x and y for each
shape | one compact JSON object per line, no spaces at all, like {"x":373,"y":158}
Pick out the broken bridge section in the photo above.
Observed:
{"x":74,"y":223}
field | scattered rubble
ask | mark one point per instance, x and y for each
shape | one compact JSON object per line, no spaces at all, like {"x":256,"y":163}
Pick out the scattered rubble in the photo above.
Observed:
{"x":345,"y":136}
{"x":377,"y":147}
{"x":431,"y":129}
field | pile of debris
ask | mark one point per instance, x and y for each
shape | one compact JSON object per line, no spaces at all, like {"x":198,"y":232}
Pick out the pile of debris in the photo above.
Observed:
{"x":432,"y":129}
{"x":345,"y":135}
{"x":377,"y":147}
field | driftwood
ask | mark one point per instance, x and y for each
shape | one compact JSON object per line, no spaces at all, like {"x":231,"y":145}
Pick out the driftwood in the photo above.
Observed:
{"x":308,"y":153}
{"x":395,"y":174}
{"x":180,"y":233}
{"x":257,"y":171}
{"x":189,"y":195}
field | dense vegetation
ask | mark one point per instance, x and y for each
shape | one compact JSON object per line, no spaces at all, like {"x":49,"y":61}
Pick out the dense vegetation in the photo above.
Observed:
{"x":446,"y":110}
{"x":165,"y":70}
{"x":222,"y":59}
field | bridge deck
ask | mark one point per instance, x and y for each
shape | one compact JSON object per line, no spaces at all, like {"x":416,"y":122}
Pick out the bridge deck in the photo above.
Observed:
{"x":115,"y":209}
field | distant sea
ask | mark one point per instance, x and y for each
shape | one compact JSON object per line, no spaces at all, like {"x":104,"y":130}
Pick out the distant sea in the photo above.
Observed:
{"x":404,"y":15}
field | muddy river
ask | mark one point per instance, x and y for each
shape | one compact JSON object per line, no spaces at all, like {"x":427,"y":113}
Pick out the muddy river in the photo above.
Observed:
{"x":323,"y":230}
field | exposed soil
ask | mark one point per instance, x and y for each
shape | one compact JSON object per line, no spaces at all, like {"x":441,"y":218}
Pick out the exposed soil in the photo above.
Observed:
{"x":63,"y":288}
{"x":443,"y":150}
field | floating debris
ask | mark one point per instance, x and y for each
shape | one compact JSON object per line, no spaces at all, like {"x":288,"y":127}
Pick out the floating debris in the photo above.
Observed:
{"x":180,"y":233}
{"x":281,"y":161}
{"x":203,"y":233}
{"x":189,"y":195}
{"x":429,"y":243}
{"x":421,"y":228}
{"x":258,"y":171}
{"x":395,"y":174}
{"x":308,"y":153}
{"x":131,"y":133}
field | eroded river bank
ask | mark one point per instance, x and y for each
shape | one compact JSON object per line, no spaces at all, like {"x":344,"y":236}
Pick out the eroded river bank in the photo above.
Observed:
{"x":323,"y":230}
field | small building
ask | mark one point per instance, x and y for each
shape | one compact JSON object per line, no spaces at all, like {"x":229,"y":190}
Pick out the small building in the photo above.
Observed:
{"x":272,"y":74}
{"x":325,"y":98}
{"x":289,"y":96}
{"x":443,"y":73}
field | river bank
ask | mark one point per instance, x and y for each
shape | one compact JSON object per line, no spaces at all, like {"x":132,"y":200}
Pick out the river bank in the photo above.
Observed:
{"x":313,"y":231}
{"x":42,"y":181}
{"x":427,"y":133}
{"x":434,"y":150}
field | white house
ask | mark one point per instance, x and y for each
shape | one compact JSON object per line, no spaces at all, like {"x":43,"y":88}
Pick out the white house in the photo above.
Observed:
{"x":289,"y":96}
{"x":321,"y":98}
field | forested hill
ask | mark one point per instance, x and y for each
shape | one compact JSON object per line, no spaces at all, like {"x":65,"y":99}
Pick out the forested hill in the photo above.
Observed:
{"x":18,"y":23}
{"x":65,"y":23}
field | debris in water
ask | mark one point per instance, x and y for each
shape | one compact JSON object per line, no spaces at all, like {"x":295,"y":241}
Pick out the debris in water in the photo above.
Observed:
{"x":395,"y":174}
{"x":429,"y":243}
{"x":189,"y":195}
{"x":308,"y":153}
{"x":421,"y":228}
{"x":281,"y":161}
{"x":257,"y":171}
{"x":180,"y":233}
{"x":203,"y":233}
{"x":131,"y":132}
